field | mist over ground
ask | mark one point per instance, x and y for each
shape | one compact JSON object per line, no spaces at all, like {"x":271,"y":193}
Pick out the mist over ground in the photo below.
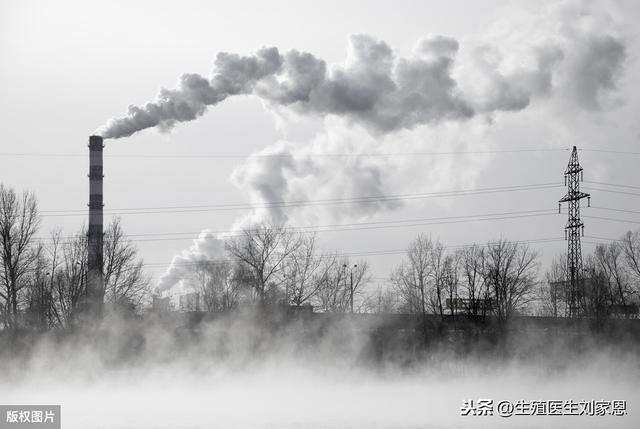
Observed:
{"x":422,"y":158}
{"x":243,"y":370}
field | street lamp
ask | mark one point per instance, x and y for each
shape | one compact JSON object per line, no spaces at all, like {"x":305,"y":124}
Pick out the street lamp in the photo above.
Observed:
{"x":351,"y":285}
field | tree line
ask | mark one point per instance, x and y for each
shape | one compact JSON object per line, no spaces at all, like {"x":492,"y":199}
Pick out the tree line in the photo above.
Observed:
{"x":609,"y":283}
{"x":272,"y":265}
{"x":501,"y":278}
{"x":43,"y":282}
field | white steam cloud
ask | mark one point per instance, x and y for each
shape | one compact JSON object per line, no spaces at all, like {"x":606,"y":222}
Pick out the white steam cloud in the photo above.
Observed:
{"x":570,"y":55}
{"x":375,"y":87}
{"x":205,"y":248}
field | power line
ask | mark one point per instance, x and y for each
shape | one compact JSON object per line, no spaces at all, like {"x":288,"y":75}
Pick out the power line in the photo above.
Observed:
{"x":614,"y":192}
{"x":309,"y":155}
{"x":300,"y":203}
{"x":619,"y":152}
{"x":616,"y":210}
{"x":355,"y":227}
{"x":612,"y":219}
{"x":359,"y":225}
{"x":364,"y":253}
{"x":384,"y":252}
{"x":602,"y":238}
{"x":613,"y":184}
{"x":286,"y":155}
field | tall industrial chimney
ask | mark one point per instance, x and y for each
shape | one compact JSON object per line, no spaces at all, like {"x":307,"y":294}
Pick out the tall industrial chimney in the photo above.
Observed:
{"x":95,"y":275}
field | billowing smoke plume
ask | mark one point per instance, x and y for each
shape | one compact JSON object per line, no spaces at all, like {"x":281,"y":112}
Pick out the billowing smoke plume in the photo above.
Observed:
{"x":233,"y":75}
{"x":292,"y":171}
{"x":371,"y":87}
{"x":384,"y":92}
{"x":569,"y":57}
{"x":205,"y":248}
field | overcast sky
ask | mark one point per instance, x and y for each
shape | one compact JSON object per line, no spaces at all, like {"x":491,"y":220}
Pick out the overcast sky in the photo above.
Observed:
{"x":383,"y":77}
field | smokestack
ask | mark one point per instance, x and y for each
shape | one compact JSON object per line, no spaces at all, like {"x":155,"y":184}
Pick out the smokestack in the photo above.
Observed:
{"x":95,"y":280}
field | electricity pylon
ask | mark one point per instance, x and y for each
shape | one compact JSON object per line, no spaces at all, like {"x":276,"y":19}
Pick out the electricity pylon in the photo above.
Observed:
{"x":572,"y":178}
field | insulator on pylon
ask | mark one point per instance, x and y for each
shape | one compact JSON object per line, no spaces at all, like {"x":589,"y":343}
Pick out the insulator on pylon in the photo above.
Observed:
{"x":588,"y":201}
{"x":559,"y":207}
{"x":573,"y":176}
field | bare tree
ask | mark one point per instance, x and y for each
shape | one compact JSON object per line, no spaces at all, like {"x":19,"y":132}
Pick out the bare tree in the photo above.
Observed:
{"x":125,"y":283}
{"x":381,"y":301}
{"x":608,"y":259}
{"x":335,"y":289}
{"x":630,"y":244}
{"x":450,"y":280}
{"x":68,"y":280}
{"x":472,"y":268}
{"x":510,"y":272}
{"x":303,"y":272}
{"x":330,"y":296}
{"x":410,"y":279}
{"x":217,"y":286}
{"x":38,"y":297}
{"x":438,"y":274}
{"x":596,"y":292}
{"x":19,"y":222}
{"x":264,"y":251}
{"x":553,"y":293}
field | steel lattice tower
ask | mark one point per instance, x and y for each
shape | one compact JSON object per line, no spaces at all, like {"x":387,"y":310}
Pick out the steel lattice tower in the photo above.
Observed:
{"x":572,"y":178}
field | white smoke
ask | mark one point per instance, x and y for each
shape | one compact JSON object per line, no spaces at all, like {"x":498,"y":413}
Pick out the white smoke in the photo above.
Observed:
{"x":233,"y":75}
{"x":569,"y":53}
{"x":573,"y":51}
{"x":204,"y":248}
{"x":443,"y":96}
{"x":352,"y":163}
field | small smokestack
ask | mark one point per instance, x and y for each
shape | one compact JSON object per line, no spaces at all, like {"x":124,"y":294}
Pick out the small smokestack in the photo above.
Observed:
{"x":95,"y":280}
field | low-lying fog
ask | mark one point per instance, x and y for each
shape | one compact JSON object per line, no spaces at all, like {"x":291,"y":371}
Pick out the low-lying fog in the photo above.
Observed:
{"x":233,"y":377}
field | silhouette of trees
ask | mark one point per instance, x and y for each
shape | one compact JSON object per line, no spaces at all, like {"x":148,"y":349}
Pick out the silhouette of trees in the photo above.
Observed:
{"x":217,"y":284}
{"x":609,"y":263}
{"x":45,"y":281}
{"x":126,"y":285}
{"x":264,"y":251}
{"x":19,"y":223}
{"x":552,"y":293}
{"x":609,"y":282}
{"x":303,"y":271}
{"x":630,"y":244}
{"x":335,"y":289}
{"x":510,"y":274}
{"x":411,"y":279}
{"x":501,"y":272}
{"x":471,"y":265}
{"x":381,"y":300}
{"x":68,"y":282}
